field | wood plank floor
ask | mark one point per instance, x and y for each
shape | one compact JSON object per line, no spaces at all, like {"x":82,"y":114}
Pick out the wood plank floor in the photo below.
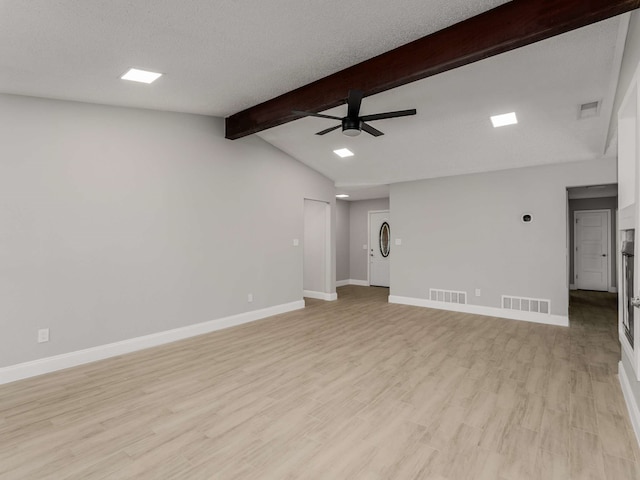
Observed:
{"x":353,"y":389}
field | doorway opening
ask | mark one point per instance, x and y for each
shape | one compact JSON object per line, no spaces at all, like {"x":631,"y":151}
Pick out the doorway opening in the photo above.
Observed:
{"x":592,"y":253}
{"x":592,"y":214}
{"x":317,"y":250}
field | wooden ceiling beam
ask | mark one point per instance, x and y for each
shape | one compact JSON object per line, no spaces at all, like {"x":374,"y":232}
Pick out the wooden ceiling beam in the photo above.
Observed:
{"x":507,"y":27}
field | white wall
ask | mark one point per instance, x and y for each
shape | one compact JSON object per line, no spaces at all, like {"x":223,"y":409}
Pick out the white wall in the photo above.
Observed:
{"x":342,"y":240}
{"x":464,"y":232}
{"x":118,"y":223}
{"x":633,"y":393}
{"x":359,"y":234}
{"x":630,"y":61}
{"x":314,"y":245}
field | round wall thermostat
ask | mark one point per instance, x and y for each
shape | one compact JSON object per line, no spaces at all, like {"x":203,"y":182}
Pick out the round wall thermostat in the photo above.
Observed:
{"x":526,"y":218}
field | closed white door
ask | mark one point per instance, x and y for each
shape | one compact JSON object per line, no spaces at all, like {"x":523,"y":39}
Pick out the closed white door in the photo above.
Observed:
{"x":592,"y":250}
{"x":379,"y":248}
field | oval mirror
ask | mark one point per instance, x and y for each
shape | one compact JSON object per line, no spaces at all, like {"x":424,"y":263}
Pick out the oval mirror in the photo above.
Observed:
{"x":385,"y":237}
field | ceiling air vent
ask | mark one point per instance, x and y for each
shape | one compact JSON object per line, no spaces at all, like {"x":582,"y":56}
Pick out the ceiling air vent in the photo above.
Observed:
{"x":589,"y":110}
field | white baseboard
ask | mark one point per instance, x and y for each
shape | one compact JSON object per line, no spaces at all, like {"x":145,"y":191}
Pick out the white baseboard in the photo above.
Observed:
{"x":558,"y":320}
{"x":351,"y":281}
{"x":611,"y":289}
{"x":632,"y":406}
{"x":80,"y":357}
{"x":329,"y":297}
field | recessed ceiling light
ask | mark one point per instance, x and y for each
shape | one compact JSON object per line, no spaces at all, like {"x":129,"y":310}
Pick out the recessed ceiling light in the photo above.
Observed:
{"x":504,"y":120}
{"x":343,"y":152}
{"x":142,"y":76}
{"x":342,"y":195}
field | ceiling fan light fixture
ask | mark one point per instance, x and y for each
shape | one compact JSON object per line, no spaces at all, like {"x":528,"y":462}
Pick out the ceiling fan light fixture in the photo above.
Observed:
{"x":351,"y":127}
{"x":353,"y":124}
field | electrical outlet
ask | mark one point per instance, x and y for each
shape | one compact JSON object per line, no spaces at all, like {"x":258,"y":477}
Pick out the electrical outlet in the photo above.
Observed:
{"x":477,"y":292}
{"x":250,"y":297}
{"x":398,"y":241}
{"x":296,"y":242}
{"x":43,"y":335}
{"x":365,"y":247}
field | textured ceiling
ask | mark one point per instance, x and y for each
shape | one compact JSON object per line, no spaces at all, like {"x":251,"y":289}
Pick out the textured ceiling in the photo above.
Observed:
{"x":544,"y":83}
{"x":218,"y":57}
{"x":222,"y":56}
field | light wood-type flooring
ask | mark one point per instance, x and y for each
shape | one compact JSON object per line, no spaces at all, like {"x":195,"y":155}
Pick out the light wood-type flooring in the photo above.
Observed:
{"x":353,"y":389}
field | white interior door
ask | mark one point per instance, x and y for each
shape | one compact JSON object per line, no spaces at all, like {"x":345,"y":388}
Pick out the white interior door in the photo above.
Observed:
{"x":592,"y":260}
{"x":379,"y":248}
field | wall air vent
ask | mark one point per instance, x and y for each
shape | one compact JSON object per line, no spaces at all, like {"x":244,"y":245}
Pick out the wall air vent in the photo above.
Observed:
{"x":447,"y":296}
{"x":589,"y":110}
{"x":524,"y":304}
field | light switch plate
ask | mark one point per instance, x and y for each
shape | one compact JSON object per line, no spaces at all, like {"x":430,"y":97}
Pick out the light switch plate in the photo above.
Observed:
{"x":296,"y":242}
{"x":398,"y":241}
{"x":364,"y":247}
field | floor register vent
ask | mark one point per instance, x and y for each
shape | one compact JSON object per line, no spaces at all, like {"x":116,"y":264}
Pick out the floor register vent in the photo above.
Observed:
{"x":447,"y":296}
{"x":524,"y":304}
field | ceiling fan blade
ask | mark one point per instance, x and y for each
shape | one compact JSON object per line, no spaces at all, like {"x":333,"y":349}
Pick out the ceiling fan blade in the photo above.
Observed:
{"x":353,"y":101}
{"x":328,"y":130}
{"x":370,"y":130}
{"x":380,"y":116}
{"x":311,"y":114}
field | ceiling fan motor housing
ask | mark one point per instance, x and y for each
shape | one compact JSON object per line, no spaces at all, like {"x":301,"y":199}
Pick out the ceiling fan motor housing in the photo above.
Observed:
{"x":351,"y":126}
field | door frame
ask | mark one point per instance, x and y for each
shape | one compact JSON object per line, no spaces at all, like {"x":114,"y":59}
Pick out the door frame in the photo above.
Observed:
{"x":369,"y":241}
{"x":609,"y":241}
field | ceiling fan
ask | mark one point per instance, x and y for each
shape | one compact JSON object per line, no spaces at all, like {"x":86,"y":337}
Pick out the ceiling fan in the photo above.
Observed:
{"x":353,"y":123}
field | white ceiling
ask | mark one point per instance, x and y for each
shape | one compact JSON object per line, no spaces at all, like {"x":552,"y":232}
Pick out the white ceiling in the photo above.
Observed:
{"x":544,"y":83}
{"x":364,"y":192}
{"x":593,"y":191}
{"x":221,"y":57}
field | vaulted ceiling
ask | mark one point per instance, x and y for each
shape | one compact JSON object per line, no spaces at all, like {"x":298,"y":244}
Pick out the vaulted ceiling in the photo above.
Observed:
{"x":544,"y":83}
{"x":222,"y":57}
